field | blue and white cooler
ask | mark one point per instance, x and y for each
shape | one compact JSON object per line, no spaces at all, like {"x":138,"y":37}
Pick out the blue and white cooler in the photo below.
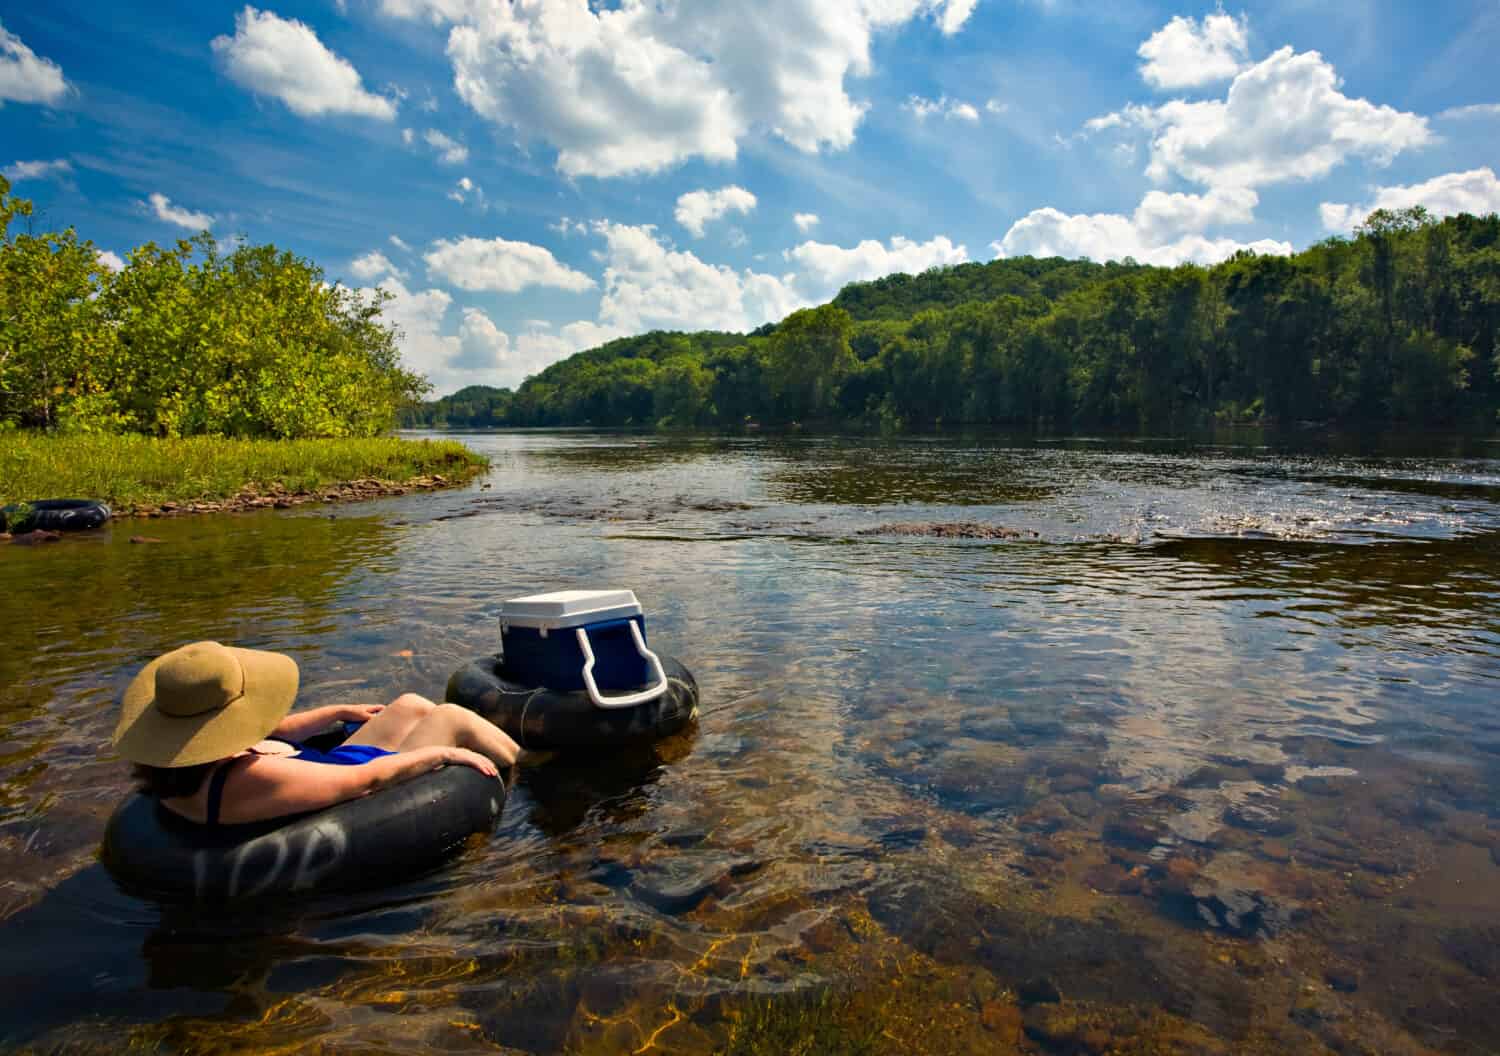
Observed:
{"x":576,"y":675}
{"x":591,"y":640}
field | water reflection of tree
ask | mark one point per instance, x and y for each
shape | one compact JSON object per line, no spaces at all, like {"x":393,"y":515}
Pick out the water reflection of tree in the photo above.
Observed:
{"x":82,"y":604}
{"x":872,"y":472}
{"x":1450,"y":584}
{"x":632,"y":453}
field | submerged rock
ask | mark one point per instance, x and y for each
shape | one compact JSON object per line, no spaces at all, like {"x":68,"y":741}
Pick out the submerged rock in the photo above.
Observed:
{"x":1477,"y":949}
{"x":1111,"y":879}
{"x":1231,"y":894}
{"x":1258,"y":818}
{"x":1134,"y":831}
{"x":1046,"y":817}
{"x":951,"y":530}
{"x":1321,"y":786}
{"x":1002,"y":1018}
{"x":41,"y":535}
{"x":1344,"y":980}
{"x":1038,"y":991}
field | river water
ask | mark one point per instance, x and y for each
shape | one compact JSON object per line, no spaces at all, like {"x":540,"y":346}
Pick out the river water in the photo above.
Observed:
{"x":1005,"y":745}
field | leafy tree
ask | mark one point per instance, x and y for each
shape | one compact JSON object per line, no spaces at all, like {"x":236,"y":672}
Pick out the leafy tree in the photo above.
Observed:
{"x":809,"y":358}
{"x":188,"y":340}
{"x":52,"y":336}
{"x":740,"y":385}
{"x":684,"y":388}
{"x":254,"y":343}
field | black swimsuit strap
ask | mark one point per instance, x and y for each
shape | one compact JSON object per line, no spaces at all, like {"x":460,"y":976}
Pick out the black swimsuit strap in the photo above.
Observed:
{"x":216,"y":792}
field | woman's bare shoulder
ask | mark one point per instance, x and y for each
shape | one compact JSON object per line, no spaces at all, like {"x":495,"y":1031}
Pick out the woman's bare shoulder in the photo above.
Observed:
{"x":270,"y":786}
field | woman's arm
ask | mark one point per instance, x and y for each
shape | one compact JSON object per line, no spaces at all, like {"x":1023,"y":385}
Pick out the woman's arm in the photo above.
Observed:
{"x":300,"y":725}
{"x":271,"y":786}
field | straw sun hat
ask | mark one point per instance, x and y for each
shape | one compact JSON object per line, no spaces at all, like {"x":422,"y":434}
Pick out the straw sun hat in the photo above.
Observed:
{"x":203,"y":702}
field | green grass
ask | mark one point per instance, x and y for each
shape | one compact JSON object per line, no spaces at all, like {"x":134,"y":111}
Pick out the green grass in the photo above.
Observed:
{"x":128,"y":471}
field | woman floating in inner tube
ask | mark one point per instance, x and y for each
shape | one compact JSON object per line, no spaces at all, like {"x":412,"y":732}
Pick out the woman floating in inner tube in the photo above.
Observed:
{"x":208,"y":729}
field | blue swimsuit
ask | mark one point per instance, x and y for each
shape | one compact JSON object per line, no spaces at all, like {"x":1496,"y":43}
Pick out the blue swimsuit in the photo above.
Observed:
{"x":343,"y":755}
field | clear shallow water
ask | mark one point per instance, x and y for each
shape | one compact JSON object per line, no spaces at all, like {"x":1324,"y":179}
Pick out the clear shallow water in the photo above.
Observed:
{"x":1210,"y":747}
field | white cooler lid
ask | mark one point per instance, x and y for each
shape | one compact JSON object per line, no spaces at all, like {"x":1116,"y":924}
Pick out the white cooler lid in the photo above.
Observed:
{"x":569,"y":608}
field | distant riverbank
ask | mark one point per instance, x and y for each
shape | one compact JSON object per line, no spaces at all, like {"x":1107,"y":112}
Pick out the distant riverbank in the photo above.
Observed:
{"x":140,"y":475}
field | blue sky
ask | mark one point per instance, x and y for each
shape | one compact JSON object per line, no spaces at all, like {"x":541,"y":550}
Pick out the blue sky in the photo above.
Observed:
{"x":531,"y":177}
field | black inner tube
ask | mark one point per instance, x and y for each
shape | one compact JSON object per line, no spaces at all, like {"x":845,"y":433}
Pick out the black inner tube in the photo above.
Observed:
{"x":399,"y":831}
{"x":540,"y":718}
{"x":54,"y":515}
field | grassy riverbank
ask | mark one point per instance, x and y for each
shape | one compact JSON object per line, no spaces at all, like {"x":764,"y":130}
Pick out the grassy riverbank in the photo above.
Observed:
{"x":137,"y":471}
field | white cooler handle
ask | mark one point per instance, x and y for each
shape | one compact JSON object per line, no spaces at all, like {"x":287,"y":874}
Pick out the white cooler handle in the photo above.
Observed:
{"x":630,"y":700}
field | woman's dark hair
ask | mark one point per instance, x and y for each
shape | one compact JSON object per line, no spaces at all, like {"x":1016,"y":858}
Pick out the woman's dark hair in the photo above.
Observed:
{"x":170,"y":782}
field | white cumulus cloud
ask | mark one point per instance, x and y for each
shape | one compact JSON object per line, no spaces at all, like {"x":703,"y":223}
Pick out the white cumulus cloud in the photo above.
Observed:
{"x":372,"y":265}
{"x":1476,"y":192}
{"x":1186,"y":53}
{"x":698,"y":208}
{"x":1162,"y":216}
{"x":953,"y":14}
{"x":438,"y":11}
{"x":36,"y":170}
{"x":284,"y":59}
{"x":1118,"y":119}
{"x":567,"y":226}
{"x":478,"y":352}
{"x":951,"y":109}
{"x":481,"y":344}
{"x":501,"y":266}
{"x":638,"y":87}
{"x":805,"y":221}
{"x":450,"y":151}
{"x":110,"y":260}
{"x":648,"y":285}
{"x":1284,"y":119}
{"x":163,"y":208}
{"x":1460,"y":113}
{"x":400,"y":244}
{"x":466,"y":191}
{"x":824,"y":268}
{"x":418,"y":316}
{"x":1166,"y":229}
{"x":26,"y":77}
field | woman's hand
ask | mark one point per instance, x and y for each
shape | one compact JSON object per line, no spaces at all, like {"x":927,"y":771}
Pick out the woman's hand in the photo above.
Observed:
{"x":358,"y":712}
{"x":464,"y":757}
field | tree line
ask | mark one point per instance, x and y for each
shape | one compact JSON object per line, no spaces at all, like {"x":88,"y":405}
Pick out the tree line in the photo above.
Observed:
{"x":188,"y":340}
{"x":1397,"y":324}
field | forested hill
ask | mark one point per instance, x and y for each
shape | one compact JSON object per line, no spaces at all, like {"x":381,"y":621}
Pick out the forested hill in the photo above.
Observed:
{"x":1395,"y":325}
{"x":902,"y":296}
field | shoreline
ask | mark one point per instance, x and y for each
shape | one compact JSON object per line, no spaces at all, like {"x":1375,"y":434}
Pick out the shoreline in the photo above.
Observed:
{"x":250,"y":498}
{"x":142,"y":477}
{"x":278,"y":497}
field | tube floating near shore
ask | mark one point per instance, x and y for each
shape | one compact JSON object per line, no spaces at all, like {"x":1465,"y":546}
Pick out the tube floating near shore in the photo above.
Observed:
{"x":54,"y":515}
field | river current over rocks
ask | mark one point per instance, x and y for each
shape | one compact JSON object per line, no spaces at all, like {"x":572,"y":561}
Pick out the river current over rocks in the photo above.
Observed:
{"x":1091,"y":745}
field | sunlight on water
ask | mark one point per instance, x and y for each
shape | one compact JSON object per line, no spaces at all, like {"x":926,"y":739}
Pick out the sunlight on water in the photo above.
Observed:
{"x":1199,"y":740}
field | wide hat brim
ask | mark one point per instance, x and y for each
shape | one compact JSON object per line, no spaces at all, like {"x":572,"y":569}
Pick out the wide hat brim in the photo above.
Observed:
{"x":150,"y":736}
